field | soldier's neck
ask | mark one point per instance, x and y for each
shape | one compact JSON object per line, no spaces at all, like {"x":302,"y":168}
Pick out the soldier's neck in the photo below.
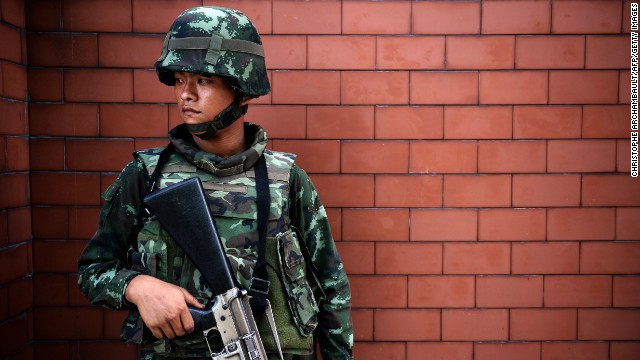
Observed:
{"x":227,"y":142}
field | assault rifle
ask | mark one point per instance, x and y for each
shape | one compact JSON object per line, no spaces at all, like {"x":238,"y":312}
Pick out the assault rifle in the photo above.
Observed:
{"x":183,"y":211}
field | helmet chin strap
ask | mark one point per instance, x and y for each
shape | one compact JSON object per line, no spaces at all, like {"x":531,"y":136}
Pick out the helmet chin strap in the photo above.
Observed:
{"x":225,"y":118}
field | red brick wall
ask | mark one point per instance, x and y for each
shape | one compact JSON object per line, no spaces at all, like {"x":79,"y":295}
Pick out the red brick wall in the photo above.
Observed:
{"x":473,"y":157}
{"x":16,"y":247}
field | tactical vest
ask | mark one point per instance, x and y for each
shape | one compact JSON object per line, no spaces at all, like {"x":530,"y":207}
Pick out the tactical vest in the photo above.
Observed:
{"x":232,"y":201}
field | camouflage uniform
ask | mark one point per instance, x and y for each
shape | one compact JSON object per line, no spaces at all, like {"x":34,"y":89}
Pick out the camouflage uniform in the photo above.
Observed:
{"x":125,"y":245}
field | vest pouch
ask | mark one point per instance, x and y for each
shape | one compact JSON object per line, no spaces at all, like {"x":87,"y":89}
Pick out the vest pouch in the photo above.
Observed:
{"x":300,"y":295}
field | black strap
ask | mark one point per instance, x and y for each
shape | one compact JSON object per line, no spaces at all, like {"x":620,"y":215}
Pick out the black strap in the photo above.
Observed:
{"x":164,"y":155}
{"x":260,"y":283}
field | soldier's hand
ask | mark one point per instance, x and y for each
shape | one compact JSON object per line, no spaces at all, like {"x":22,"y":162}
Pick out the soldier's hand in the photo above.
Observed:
{"x":163,"y":306}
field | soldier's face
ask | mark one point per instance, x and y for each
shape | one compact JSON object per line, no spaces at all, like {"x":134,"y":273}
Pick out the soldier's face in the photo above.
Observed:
{"x":201,"y":98}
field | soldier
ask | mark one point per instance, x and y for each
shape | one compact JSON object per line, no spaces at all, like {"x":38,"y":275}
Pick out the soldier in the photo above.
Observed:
{"x":214,"y":59}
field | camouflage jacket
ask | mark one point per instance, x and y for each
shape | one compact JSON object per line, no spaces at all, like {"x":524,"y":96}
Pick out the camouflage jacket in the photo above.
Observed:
{"x":106,"y":265}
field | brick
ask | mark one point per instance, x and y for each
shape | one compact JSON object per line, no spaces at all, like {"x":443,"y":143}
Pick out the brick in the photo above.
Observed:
{"x":546,"y":190}
{"x":98,"y":155}
{"x":307,"y":18}
{"x":626,"y":291}
{"x":17,"y":331}
{"x":21,"y":293}
{"x":406,"y":325}
{"x":148,"y":89}
{"x":607,"y":52}
{"x":19,"y":194}
{"x":610,"y":190}
{"x":477,"y":190}
{"x":513,"y":87}
{"x":623,"y":157}
{"x":141,"y":144}
{"x":19,"y":221}
{"x":512,"y":224}
{"x":410,"y":52}
{"x":14,"y":80}
{"x":605,"y":121}
{"x":624,"y":88}
{"x":115,"y":85}
{"x":516,"y":17}
{"x":260,"y":12}
{"x":63,"y":119}
{"x":543,"y":324}
{"x":129,"y":50}
{"x":391,"y":191}
{"x":70,"y":188}
{"x":315,"y":156}
{"x":357,"y":257}
{"x":45,"y":84}
{"x":68,"y":323}
{"x":16,"y":262}
{"x":609,"y":258}
{"x":475,"y":324}
{"x":362,"y":325}
{"x":408,"y":258}
{"x":583,"y":87}
{"x":443,"y":87}
{"x":76,"y":298}
{"x":545,"y":258}
{"x":50,"y":222}
{"x":409,"y":122}
{"x":375,"y":224}
{"x":57,"y":256}
{"x":575,"y":350}
{"x":511,"y":156}
{"x":51,"y":290}
{"x":586,"y":17}
{"x":11,"y":49}
{"x":443,"y":225}
{"x":55,"y":49}
{"x":155,"y":17}
{"x":4,"y":238}
{"x":106,"y":350}
{"x":286,"y":51}
{"x":450,"y":291}
{"x":478,"y":122}
{"x":581,"y":224}
{"x":17,"y":153}
{"x":577,"y":291}
{"x":342,"y":52}
{"x":13,"y":118}
{"x":83,"y":222}
{"x":385,"y":350}
{"x":440,"y":350}
{"x":59,"y":350}
{"x":43,"y":15}
{"x":480,"y":52}
{"x":547,"y":122}
{"x":47,"y":154}
{"x":280,"y":121}
{"x":115,"y":16}
{"x":292,"y":87}
{"x":550,"y":52}
{"x":443,"y":157}
{"x":362,"y":17}
{"x":509,"y":291}
{"x":345,"y":190}
{"x":624,"y":350}
{"x":150,"y":120}
{"x":445,"y":18}
{"x":476,"y":258}
{"x":340,"y":122}
{"x":377,"y":156}
{"x":378,"y":291}
{"x":504,"y":351}
{"x":375,"y":88}
{"x":608,"y":324}
{"x":625,"y":223}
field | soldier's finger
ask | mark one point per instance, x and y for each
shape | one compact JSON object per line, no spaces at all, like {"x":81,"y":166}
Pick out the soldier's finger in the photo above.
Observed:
{"x":157,"y":332}
{"x":168,"y":331}
{"x":176,"y":326}
{"x":191,"y":300}
{"x":187,"y":321}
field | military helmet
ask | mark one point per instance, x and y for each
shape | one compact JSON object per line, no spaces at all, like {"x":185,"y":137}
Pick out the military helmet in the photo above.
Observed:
{"x":215,"y":41}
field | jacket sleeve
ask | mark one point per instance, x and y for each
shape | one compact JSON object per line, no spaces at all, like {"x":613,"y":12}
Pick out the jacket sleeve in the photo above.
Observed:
{"x":102,"y":266}
{"x":335,"y":327}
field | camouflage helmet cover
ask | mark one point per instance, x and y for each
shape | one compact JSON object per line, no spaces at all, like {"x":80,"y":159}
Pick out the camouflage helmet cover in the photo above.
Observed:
{"x":215,"y":41}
